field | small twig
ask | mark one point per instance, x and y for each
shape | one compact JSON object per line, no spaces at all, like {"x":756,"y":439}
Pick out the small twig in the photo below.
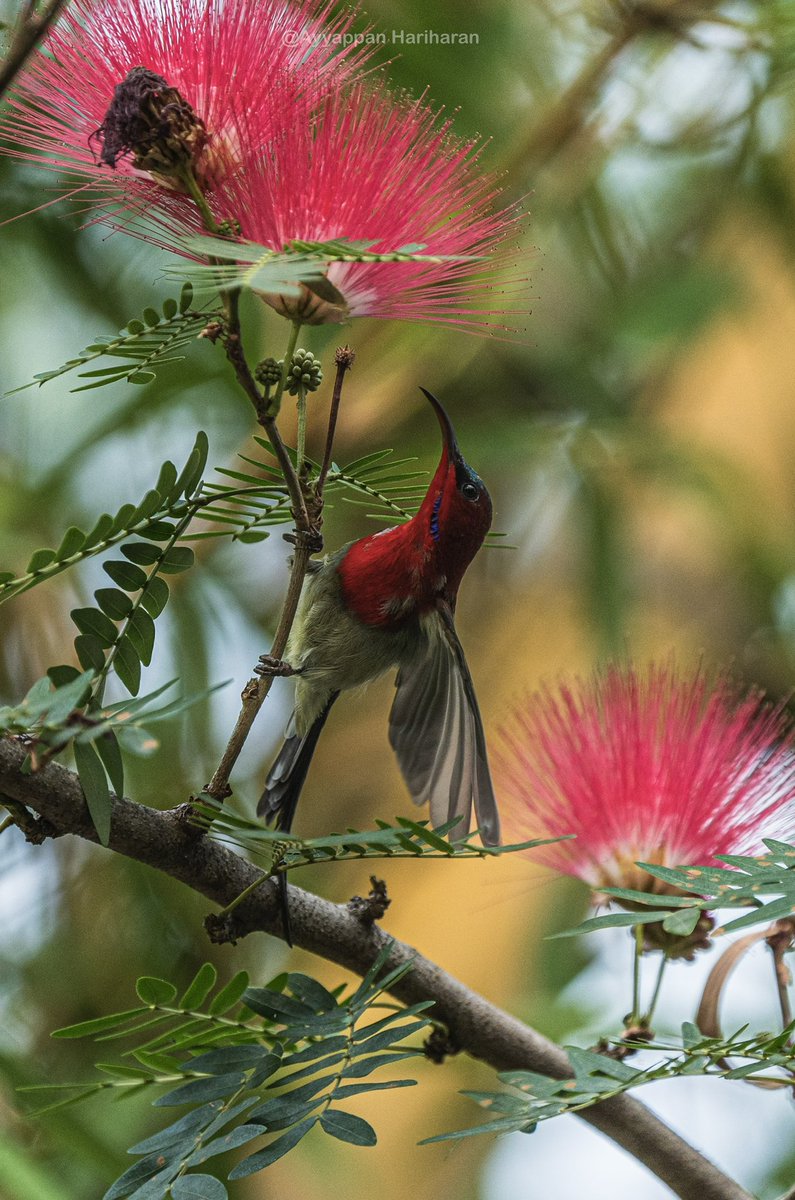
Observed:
{"x":27,"y":35}
{"x":343,"y":358}
{"x":780,"y":941}
{"x":256,"y":690}
{"x":265,"y":409}
{"x":371,"y":908}
{"x":236,"y":355}
{"x":561,"y":122}
{"x":307,"y":542}
{"x":439,"y":1046}
{"x":36,"y":829}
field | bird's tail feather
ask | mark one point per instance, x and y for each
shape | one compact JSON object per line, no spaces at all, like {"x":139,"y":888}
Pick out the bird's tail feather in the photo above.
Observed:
{"x":288,"y":773}
{"x":283,"y":789}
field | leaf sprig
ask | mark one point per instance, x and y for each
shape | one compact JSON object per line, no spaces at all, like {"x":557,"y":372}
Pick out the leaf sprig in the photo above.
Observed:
{"x":51,"y":718}
{"x":260,"y":500}
{"x":247,"y":1061}
{"x":375,"y":481}
{"x":285,"y":851}
{"x":145,"y":344}
{"x":173,"y":498}
{"x":251,"y":265}
{"x":596,"y":1077}
{"x":745,"y":882}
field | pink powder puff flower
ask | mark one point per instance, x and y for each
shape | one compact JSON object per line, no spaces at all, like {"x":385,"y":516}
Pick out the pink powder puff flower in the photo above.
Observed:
{"x":243,"y":70}
{"x":242,"y":114}
{"x":647,"y":767}
{"x":385,"y":170}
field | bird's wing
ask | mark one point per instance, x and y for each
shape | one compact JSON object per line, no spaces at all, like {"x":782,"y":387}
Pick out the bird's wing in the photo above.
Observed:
{"x":436,"y":732}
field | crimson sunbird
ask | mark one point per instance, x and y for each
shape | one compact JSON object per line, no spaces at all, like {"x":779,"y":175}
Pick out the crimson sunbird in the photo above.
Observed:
{"x":388,"y":600}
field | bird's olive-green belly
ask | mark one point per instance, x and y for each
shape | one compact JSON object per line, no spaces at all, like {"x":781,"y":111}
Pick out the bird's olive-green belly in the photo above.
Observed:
{"x":334,"y":651}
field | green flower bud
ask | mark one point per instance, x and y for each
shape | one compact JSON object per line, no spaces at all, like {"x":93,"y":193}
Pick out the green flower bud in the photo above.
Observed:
{"x":229,"y":228}
{"x":305,"y":373}
{"x":268,"y":372}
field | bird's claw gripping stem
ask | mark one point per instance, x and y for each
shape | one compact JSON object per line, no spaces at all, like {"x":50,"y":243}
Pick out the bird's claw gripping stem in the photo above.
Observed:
{"x":312,"y":539}
{"x":268,"y":665}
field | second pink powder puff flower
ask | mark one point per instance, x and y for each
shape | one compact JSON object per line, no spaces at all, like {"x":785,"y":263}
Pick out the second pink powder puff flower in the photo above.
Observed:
{"x":646,"y":766}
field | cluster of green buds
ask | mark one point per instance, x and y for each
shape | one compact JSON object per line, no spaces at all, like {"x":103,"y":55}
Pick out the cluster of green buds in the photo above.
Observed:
{"x":305,"y":373}
{"x":268,"y":372}
{"x":229,"y":228}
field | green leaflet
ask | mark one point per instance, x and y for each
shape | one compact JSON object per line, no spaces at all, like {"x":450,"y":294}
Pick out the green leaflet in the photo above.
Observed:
{"x":119,"y":634}
{"x":94,"y":783}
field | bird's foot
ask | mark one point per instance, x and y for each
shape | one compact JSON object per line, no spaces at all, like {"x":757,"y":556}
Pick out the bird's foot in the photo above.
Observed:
{"x":311,"y":539}
{"x":268,"y":665}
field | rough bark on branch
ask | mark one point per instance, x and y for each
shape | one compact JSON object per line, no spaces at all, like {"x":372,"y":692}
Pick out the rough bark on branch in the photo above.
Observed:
{"x":165,"y":841}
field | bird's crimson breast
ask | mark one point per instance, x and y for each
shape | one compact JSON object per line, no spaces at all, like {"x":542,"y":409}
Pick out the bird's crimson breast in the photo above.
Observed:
{"x":384,"y":577}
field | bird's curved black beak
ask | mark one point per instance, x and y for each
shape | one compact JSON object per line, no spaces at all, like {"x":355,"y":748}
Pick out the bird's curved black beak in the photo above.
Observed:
{"x":448,"y":433}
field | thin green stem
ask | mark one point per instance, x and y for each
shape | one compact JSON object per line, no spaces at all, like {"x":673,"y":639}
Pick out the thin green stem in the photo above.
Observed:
{"x":638,"y":951}
{"x":252,"y":887}
{"x":200,"y":200}
{"x":328,"y":1098}
{"x":204,"y":1134}
{"x":301,"y":435}
{"x":208,"y":1018}
{"x":274,"y":405}
{"x":647,"y":1017}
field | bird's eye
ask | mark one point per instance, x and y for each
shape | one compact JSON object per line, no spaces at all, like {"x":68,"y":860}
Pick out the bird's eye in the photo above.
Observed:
{"x":470,"y":491}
